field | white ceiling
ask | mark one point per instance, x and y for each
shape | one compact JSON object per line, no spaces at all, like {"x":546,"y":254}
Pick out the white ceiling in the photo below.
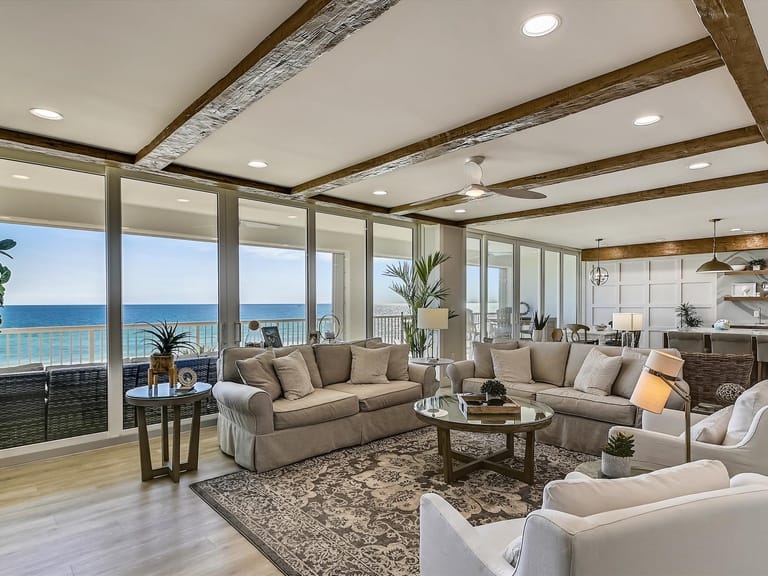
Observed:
{"x":120,"y":71}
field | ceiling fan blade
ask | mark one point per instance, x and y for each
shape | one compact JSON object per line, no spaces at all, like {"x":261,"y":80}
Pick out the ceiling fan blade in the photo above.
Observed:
{"x":523,"y":193}
{"x":450,"y":199}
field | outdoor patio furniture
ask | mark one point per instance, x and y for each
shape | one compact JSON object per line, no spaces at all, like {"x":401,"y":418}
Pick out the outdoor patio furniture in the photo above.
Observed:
{"x":22,"y":408}
{"x":706,"y":372}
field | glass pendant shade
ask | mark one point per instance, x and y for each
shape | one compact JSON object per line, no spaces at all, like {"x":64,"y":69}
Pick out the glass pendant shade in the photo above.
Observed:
{"x":598,"y":275}
{"x":714,"y":265}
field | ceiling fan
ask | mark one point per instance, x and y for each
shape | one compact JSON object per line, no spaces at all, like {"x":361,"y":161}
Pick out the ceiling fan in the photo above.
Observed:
{"x":476,"y":189}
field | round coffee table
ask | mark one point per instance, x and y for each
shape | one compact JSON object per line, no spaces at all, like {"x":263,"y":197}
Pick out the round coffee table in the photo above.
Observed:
{"x":163,"y":396}
{"x":592,"y":469}
{"x":532,"y":416}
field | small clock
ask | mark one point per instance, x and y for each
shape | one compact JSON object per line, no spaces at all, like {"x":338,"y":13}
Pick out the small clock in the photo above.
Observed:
{"x":187,"y":377}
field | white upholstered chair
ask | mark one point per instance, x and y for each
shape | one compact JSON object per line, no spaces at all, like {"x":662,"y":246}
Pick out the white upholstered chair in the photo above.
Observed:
{"x":721,"y":530}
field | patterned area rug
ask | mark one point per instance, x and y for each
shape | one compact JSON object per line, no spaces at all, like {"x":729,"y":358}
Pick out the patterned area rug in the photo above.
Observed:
{"x":356,"y":511}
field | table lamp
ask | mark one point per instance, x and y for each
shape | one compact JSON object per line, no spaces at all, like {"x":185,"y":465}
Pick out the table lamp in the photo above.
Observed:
{"x":656,"y":383}
{"x":432,"y":319}
{"x":627,"y":322}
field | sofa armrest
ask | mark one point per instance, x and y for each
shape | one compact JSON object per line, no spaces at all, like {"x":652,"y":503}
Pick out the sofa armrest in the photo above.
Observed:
{"x":424,"y":375}
{"x":669,"y":421}
{"x":247,"y":406}
{"x":675,"y":402}
{"x":458,"y":372}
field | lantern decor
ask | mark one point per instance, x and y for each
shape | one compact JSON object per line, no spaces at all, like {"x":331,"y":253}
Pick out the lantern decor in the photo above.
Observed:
{"x":598,"y":275}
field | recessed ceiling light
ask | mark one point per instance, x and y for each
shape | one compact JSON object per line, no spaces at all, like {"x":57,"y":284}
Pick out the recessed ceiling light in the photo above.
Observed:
{"x":182,"y":200}
{"x":460,"y":211}
{"x":257,"y":164}
{"x":379,"y":192}
{"x":735,"y":229}
{"x":46,"y":114}
{"x":699,"y":165}
{"x":20,"y":176}
{"x":647,"y":120}
{"x":541,"y":25}
{"x":292,"y":217}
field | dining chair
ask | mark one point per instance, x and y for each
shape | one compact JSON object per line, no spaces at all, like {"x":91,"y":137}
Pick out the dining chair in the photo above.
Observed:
{"x":762,"y":355}
{"x":687,"y":341}
{"x":726,"y":343}
{"x":572,"y":334}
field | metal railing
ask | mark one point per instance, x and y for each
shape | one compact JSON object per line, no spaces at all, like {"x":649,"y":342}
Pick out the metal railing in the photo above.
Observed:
{"x":54,"y":345}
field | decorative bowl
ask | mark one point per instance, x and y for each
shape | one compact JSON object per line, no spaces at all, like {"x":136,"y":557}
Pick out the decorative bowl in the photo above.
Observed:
{"x":600,"y":327}
{"x":739,"y":267}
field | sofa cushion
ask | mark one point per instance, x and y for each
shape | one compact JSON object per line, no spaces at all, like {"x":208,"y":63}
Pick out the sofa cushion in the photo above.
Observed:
{"x":597,"y":374}
{"x":712,"y":429}
{"x":525,"y":390}
{"x":322,"y":405}
{"x":226,"y":364}
{"x":334,"y":362}
{"x":369,"y":365}
{"x":512,"y":365}
{"x":377,"y":396}
{"x":744,"y":410}
{"x":633,"y":360}
{"x":578,"y":353}
{"x":294,"y":376}
{"x":309,"y":359}
{"x":548,"y":361}
{"x":259,"y":372}
{"x":592,"y":496}
{"x":481,"y":354}
{"x":397,"y":369}
{"x":610,"y":409}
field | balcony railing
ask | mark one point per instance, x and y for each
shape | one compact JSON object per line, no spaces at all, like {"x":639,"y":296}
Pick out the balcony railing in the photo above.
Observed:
{"x":61,"y":345}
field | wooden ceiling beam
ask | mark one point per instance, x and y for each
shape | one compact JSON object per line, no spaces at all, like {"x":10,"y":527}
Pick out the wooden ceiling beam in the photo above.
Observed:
{"x":311,"y":31}
{"x":676,"y":64}
{"x":728,"y":24}
{"x":677,"y":248}
{"x":711,"y":185}
{"x":666,"y":153}
{"x":61,"y":148}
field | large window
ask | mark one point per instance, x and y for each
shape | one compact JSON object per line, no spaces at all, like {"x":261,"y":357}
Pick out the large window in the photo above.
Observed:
{"x":570,"y":288}
{"x":502,"y":311}
{"x":552,"y":286}
{"x":392,"y":246}
{"x":530,"y":285}
{"x":53,"y":340}
{"x":474,"y":297}
{"x":273,"y":270}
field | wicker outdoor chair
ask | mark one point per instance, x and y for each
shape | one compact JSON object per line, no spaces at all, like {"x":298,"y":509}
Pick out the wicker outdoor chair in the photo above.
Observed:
{"x":77,"y":401}
{"x":704,"y":373}
{"x":22,"y":408}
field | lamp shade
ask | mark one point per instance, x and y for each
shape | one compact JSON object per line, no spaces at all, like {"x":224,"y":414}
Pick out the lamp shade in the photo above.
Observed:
{"x":432,"y":318}
{"x":652,"y":391}
{"x":627,"y":322}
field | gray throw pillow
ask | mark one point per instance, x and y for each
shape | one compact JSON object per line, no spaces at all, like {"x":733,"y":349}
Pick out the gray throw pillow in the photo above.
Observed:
{"x":513,"y":366}
{"x":369,"y":366}
{"x":397,"y":369}
{"x":597,"y":374}
{"x":294,"y":376}
{"x":259,"y":372}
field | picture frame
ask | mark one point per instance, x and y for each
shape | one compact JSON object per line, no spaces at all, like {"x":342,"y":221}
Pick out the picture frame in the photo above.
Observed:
{"x":748,"y":289}
{"x":271,"y":336}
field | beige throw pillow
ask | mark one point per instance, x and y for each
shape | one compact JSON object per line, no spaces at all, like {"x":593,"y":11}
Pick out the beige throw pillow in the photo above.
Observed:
{"x":294,"y":376}
{"x":744,"y":411}
{"x":481,"y":354}
{"x":369,"y":366}
{"x":397,"y":369}
{"x":597,"y":374}
{"x":713,"y":428}
{"x":513,"y":366}
{"x":259,"y":372}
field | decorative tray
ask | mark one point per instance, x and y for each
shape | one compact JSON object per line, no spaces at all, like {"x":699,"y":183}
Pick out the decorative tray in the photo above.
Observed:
{"x":475,"y":405}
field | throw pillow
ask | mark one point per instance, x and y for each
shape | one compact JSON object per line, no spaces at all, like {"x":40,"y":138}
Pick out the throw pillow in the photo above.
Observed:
{"x":309,"y":358}
{"x":397,"y":368}
{"x":713,"y":428}
{"x":369,"y":366}
{"x":597,"y":374}
{"x":512,"y":365}
{"x":587,"y":497}
{"x":744,"y":411}
{"x":632,"y":363}
{"x":294,"y":376}
{"x":512,"y":551}
{"x":481,"y":354}
{"x":259,"y":372}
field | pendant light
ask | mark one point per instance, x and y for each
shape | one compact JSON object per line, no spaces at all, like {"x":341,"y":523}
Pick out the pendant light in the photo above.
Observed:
{"x":598,"y":275}
{"x":714,"y":265}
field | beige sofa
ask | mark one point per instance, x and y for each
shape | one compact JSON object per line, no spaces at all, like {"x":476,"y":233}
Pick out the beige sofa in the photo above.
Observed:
{"x":581,"y":420}
{"x":261,"y":434}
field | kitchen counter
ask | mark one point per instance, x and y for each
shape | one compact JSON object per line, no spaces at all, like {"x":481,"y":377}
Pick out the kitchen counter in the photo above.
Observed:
{"x":709,"y":330}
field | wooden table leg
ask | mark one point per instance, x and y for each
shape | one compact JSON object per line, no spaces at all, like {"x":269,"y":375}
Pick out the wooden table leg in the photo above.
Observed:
{"x":511,"y":443}
{"x":144,"y":455}
{"x":164,"y":427}
{"x":530,"y":465}
{"x":444,"y":441}
{"x":194,"y":437}
{"x":175,"y":467}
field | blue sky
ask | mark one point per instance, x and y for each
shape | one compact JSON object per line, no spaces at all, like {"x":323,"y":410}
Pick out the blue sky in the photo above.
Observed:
{"x":63,"y":266}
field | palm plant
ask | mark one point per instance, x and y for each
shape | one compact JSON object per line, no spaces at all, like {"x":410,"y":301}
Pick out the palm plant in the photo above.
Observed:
{"x":686,"y":312}
{"x":418,"y":291}
{"x":166,"y":339}
{"x":5,"y":272}
{"x":539,"y":320}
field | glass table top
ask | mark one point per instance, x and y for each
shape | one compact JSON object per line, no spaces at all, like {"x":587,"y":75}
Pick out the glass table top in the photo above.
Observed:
{"x":530,"y":412}
{"x":164,"y":391}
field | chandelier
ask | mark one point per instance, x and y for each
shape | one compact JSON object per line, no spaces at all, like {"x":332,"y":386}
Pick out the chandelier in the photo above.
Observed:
{"x":598,"y":275}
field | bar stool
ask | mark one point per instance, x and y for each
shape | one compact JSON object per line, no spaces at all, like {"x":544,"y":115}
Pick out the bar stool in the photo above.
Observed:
{"x":726,"y":343}
{"x":686,"y":341}
{"x":762,"y":355}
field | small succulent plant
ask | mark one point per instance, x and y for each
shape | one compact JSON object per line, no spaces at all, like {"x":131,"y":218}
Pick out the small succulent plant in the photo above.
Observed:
{"x":621,"y":445}
{"x":493,"y":388}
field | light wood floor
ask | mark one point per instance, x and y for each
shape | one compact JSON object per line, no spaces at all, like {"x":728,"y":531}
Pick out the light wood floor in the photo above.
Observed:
{"x":90,"y":514}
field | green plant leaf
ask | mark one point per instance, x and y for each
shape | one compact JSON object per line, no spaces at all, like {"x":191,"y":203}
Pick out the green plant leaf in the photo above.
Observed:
{"x":7,"y":244}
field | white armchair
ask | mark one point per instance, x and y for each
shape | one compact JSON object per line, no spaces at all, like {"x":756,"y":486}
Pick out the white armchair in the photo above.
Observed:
{"x":677,"y":536}
{"x":658,"y":444}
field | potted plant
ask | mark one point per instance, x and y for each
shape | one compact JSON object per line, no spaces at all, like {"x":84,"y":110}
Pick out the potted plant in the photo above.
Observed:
{"x":5,"y":272}
{"x":617,"y":455}
{"x":539,"y":323}
{"x":494,"y":392}
{"x":757,"y":263}
{"x":686,"y":312}
{"x":418,"y":291}
{"x":166,"y":340}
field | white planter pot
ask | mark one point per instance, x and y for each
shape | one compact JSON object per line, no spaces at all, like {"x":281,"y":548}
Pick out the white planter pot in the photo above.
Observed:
{"x":615,"y":466}
{"x":538,"y":335}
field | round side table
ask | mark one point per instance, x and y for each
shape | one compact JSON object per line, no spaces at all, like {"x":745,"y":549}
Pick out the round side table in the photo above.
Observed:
{"x":164,"y":396}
